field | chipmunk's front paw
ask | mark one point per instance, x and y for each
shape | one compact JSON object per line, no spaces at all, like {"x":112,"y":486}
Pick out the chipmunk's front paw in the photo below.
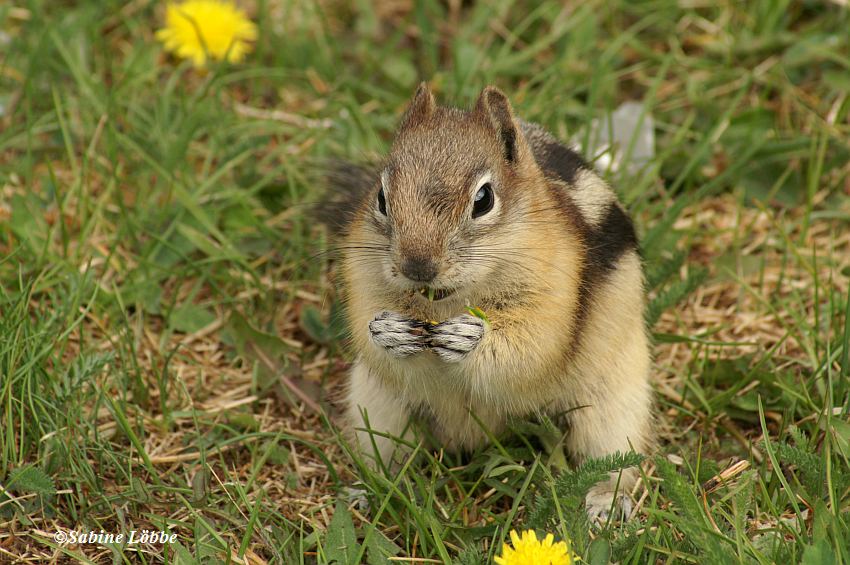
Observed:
{"x":400,"y":336}
{"x":455,"y":338}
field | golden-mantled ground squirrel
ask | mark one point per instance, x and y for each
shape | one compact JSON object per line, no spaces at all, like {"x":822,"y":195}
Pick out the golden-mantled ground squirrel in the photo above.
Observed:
{"x":478,"y":208}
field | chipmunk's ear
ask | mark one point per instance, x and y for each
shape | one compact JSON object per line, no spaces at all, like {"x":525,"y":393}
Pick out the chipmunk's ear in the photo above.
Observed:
{"x":421,"y":106}
{"x":495,"y":107}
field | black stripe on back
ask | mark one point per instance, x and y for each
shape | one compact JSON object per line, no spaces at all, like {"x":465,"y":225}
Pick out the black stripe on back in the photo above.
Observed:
{"x":604,"y":243}
{"x":607,"y":242}
{"x":560,"y":162}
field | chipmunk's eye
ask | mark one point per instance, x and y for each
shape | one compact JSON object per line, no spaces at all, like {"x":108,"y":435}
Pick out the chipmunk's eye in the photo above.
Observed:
{"x":484,"y":200}
{"x":382,"y":202}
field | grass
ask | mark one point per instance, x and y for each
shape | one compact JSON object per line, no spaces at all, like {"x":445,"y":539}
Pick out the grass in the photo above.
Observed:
{"x":170,"y":347}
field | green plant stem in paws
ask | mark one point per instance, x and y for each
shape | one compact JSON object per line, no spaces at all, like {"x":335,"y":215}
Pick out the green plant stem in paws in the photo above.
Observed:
{"x":477,"y":312}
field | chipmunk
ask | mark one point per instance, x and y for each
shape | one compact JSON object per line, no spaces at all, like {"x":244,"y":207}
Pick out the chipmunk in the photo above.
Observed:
{"x":479,"y":208}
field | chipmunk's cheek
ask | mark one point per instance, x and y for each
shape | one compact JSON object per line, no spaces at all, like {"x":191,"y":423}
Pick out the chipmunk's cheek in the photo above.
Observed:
{"x":479,"y":271}
{"x":390,"y":272}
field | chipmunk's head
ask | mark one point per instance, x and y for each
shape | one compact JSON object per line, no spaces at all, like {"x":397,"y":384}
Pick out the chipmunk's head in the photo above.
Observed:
{"x":452,"y":191}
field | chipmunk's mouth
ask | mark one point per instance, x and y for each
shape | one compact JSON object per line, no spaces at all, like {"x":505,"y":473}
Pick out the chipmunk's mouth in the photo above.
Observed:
{"x":435,"y":294}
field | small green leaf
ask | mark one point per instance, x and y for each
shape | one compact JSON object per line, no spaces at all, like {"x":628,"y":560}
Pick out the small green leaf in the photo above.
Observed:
{"x":599,"y":552}
{"x":255,"y":345}
{"x":821,"y":525}
{"x":140,"y":490}
{"x":181,"y":555}
{"x":841,"y":433}
{"x":277,"y":454}
{"x":200,"y":486}
{"x":203,"y":242}
{"x":502,"y":469}
{"x":471,"y":556}
{"x":312,"y":324}
{"x":190,"y":318}
{"x":818,"y":554}
{"x":379,"y":548}
{"x":243,"y":420}
{"x":674,"y":293}
{"x":144,"y":289}
{"x":341,"y":545}
{"x":31,"y":480}
{"x":27,"y":221}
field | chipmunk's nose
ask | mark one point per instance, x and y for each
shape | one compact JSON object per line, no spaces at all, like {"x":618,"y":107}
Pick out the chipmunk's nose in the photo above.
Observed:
{"x":419,"y":269}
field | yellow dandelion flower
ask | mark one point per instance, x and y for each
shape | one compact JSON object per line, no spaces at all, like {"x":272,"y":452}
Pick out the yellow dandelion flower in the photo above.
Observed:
{"x":529,"y":551}
{"x":201,"y":29}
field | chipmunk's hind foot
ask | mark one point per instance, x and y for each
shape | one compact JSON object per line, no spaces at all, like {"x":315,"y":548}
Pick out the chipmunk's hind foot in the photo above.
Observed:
{"x":604,"y":504}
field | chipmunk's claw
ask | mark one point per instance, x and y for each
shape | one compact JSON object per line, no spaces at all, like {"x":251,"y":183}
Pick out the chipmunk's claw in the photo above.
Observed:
{"x":400,"y":336}
{"x":457,"y":337}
